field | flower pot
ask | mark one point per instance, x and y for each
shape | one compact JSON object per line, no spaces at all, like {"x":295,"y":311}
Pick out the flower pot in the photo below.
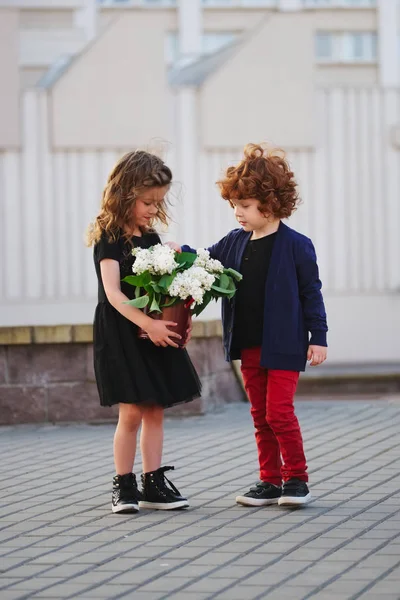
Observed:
{"x":178,"y":313}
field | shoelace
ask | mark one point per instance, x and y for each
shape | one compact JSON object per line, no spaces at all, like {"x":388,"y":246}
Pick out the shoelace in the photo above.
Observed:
{"x":162,"y":471}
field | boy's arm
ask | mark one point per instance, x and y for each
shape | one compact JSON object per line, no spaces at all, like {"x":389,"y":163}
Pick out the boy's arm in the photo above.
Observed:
{"x":214,"y":250}
{"x":310,"y":294}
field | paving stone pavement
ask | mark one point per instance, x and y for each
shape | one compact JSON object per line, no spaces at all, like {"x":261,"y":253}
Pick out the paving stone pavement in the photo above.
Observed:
{"x":59,"y":539}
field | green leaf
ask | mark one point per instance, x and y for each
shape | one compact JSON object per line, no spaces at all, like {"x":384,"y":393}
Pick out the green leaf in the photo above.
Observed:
{"x":138,"y":280}
{"x":221,"y":290}
{"x":138,"y":292}
{"x":198,"y":309}
{"x":138,"y":302}
{"x":186,"y":258}
{"x":231,"y":285}
{"x":155,"y":307}
{"x":224,"y":281}
{"x":166,"y":281}
{"x":170,"y":302}
{"x":155,"y":287}
{"x":235,"y":274}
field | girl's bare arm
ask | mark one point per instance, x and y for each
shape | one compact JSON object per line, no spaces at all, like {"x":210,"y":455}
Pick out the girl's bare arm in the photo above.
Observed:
{"x":158,"y":331}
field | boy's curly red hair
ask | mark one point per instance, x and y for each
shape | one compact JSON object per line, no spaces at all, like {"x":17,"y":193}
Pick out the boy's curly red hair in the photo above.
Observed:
{"x":264,"y":175}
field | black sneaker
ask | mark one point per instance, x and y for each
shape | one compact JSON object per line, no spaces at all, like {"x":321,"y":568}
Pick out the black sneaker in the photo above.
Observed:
{"x":295,"y":493}
{"x":159,"y":493}
{"x":263,"y":494}
{"x":125,"y":495}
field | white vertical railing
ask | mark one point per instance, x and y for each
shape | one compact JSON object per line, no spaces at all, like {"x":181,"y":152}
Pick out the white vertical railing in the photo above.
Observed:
{"x":349,"y":184}
{"x":391,"y":209}
{"x":12,"y":230}
{"x":31,"y":224}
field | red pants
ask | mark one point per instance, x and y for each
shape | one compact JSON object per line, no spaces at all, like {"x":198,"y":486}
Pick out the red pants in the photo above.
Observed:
{"x":278,"y":435}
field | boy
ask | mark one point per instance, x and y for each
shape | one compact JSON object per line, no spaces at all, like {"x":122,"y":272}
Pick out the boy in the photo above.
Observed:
{"x":276,"y":321}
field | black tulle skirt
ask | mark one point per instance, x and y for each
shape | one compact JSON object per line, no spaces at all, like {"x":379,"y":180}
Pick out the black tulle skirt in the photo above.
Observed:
{"x":136,"y":371}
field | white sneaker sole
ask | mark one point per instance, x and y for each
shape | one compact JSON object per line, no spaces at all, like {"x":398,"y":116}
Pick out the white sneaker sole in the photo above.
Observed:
{"x":244,"y":501}
{"x":295,"y":500}
{"x":125,"y":508}
{"x":162,"y":506}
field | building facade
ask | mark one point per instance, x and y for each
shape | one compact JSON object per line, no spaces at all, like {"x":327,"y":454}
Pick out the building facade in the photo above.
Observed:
{"x":86,"y":81}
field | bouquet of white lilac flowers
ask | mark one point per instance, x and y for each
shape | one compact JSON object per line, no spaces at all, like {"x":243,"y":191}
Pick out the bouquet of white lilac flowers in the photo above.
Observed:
{"x":163,"y":278}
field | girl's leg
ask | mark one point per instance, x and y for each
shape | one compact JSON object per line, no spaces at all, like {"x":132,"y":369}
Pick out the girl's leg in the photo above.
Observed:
{"x":129,"y":420}
{"x":157,"y":494}
{"x":255,"y":381}
{"x":152,"y":437}
{"x":281,"y":388}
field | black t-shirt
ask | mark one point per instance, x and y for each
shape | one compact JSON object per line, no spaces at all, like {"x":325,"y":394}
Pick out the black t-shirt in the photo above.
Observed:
{"x":121,"y":251}
{"x":249,"y":299}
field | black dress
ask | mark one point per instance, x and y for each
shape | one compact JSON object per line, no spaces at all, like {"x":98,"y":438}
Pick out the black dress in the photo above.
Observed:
{"x":128,"y":369}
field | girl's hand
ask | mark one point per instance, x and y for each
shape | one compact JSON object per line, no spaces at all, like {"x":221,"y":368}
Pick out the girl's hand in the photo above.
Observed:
{"x":160,"y":335}
{"x":317,"y":355}
{"x":174,"y":246}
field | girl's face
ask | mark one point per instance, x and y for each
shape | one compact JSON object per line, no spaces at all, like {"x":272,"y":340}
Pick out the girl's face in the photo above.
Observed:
{"x":248,"y":215}
{"x":147,"y":205}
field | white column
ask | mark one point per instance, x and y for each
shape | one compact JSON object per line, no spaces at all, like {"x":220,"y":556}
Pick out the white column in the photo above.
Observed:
{"x":86,"y":19}
{"x":389,"y":66}
{"x":31,"y":189}
{"x":188,"y":161}
{"x":190,"y":31}
{"x":190,"y":28}
{"x":290,"y":4}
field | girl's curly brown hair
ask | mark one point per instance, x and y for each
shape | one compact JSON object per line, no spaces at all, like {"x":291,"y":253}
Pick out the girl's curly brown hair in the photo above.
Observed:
{"x":264,"y":175}
{"x":134,"y":173}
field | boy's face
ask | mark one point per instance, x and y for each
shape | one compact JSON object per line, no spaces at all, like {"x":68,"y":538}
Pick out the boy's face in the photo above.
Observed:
{"x":248,"y":214}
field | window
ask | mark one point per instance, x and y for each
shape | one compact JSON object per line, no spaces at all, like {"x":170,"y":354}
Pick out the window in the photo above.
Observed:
{"x":346,"y":47}
{"x":340,"y":3}
{"x":324,"y":46}
{"x":138,"y":2}
{"x":217,"y":2}
{"x":248,"y":3}
{"x":160,"y":2}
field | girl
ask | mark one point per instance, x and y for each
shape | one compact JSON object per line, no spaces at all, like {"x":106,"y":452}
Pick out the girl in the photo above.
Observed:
{"x":142,"y":376}
{"x":276,"y":321}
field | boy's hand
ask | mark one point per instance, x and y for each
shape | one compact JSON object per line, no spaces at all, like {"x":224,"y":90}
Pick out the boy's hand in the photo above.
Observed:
{"x":174,"y":246}
{"x":316,"y":354}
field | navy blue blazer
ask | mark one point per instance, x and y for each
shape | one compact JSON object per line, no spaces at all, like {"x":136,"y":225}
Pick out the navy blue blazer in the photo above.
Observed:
{"x":294,"y":311}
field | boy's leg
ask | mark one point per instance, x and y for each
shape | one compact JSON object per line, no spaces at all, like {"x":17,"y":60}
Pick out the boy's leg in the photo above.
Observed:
{"x":255,"y":383}
{"x":281,"y":388}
